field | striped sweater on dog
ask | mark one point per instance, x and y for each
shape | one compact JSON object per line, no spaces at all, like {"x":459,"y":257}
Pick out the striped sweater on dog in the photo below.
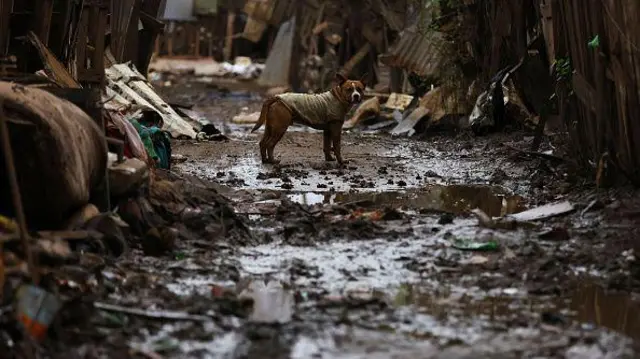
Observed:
{"x":316,"y":110}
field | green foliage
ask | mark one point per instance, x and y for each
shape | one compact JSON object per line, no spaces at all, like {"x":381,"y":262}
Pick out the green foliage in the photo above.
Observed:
{"x":563,"y":69}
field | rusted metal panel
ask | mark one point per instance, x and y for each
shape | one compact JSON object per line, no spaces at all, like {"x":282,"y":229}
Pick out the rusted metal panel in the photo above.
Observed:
{"x":416,"y":51}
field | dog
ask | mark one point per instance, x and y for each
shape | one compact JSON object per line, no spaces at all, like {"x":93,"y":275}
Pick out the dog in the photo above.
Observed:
{"x":325,"y":111}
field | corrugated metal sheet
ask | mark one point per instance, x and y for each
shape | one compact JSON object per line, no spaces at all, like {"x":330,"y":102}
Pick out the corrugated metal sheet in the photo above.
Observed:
{"x":276,"y":71}
{"x":416,"y":51}
{"x":178,"y":10}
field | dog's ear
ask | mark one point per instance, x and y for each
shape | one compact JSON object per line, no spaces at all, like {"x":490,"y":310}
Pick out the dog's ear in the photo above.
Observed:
{"x":340,"y":78}
{"x":363,"y":79}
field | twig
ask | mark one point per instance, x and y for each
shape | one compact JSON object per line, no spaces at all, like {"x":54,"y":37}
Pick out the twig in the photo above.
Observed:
{"x":152,"y":314}
{"x":15,"y":193}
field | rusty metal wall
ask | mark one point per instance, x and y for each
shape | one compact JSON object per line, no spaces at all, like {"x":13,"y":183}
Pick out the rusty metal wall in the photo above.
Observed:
{"x":602,"y":101}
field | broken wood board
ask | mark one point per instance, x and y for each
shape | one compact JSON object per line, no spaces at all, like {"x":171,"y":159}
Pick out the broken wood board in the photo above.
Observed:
{"x":398,"y":101}
{"x":407,"y":125}
{"x":543,"y":212}
{"x":53,"y":68}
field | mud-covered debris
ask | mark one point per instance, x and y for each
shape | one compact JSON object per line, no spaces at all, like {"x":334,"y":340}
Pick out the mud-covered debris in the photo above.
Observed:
{"x":301,"y":226}
{"x":386,"y":214}
{"x":159,"y":241}
{"x":154,"y":314}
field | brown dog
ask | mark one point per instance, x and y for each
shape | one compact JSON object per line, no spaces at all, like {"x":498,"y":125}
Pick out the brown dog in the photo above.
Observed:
{"x":325,"y":111}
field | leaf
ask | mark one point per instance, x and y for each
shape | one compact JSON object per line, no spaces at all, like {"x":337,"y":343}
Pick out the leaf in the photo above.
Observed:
{"x":595,"y":42}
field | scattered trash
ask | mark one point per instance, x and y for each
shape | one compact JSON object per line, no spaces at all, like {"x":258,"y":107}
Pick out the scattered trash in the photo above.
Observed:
{"x":36,"y":310}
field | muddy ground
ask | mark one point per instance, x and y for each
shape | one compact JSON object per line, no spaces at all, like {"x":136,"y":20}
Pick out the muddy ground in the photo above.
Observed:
{"x":367,"y":253}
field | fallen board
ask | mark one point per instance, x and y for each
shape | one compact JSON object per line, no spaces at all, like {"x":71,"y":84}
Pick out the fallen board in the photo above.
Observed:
{"x":407,"y":125}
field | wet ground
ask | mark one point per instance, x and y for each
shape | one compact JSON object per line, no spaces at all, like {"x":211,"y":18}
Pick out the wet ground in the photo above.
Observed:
{"x":370,"y":260}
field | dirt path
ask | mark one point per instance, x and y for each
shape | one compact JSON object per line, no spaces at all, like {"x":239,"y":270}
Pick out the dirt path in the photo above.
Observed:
{"x":368,"y":252}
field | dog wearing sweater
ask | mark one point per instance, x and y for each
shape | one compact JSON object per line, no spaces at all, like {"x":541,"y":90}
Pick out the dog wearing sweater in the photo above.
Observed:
{"x":325,"y":111}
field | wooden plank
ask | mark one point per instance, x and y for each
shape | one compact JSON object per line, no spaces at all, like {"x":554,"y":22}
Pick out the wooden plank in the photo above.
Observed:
{"x":228,"y":40}
{"x":42,"y":20}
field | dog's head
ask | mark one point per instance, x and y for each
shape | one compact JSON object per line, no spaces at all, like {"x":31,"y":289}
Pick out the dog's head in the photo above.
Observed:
{"x":351,"y":90}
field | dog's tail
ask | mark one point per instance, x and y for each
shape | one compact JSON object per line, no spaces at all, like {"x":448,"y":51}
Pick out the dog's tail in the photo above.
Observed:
{"x":263,"y":113}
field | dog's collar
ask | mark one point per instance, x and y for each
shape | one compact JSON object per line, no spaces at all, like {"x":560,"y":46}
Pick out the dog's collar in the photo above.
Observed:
{"x":335,"y":91}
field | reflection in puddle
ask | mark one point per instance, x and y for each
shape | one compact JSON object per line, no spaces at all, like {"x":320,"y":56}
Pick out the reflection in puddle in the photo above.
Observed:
{"x":617,"y":312}
{"x":494,"y":201}
{"x":590,"y":304}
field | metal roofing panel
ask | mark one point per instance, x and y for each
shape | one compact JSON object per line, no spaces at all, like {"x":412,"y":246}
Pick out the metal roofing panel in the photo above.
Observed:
{"x":416,"y":51}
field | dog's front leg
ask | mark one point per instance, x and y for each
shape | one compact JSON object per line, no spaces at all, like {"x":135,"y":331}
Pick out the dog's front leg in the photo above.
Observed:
{"x":336,"y":138}
{"x":326,"y":145}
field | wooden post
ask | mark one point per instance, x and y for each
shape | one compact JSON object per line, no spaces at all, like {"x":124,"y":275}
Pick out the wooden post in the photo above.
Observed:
{"x":197,"y":39}
{"x":170,"y":39}
{"x":16,"y":195}
{"x":228,"y":41}
{"x":5,"y":19}
{"x":92,"y":27}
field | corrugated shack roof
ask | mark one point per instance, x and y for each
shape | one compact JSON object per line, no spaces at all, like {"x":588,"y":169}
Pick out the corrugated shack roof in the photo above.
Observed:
{"x":417,"y":51}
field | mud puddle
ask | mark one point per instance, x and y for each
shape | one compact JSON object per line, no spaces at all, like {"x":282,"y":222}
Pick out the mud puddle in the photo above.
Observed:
{"x":457,"y":199}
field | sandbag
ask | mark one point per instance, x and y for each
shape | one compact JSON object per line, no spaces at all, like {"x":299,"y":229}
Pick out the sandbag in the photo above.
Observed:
{"x":59,"y":151}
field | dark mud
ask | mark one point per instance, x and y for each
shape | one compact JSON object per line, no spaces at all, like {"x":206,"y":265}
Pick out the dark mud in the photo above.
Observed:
{"x":360,"y":260}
